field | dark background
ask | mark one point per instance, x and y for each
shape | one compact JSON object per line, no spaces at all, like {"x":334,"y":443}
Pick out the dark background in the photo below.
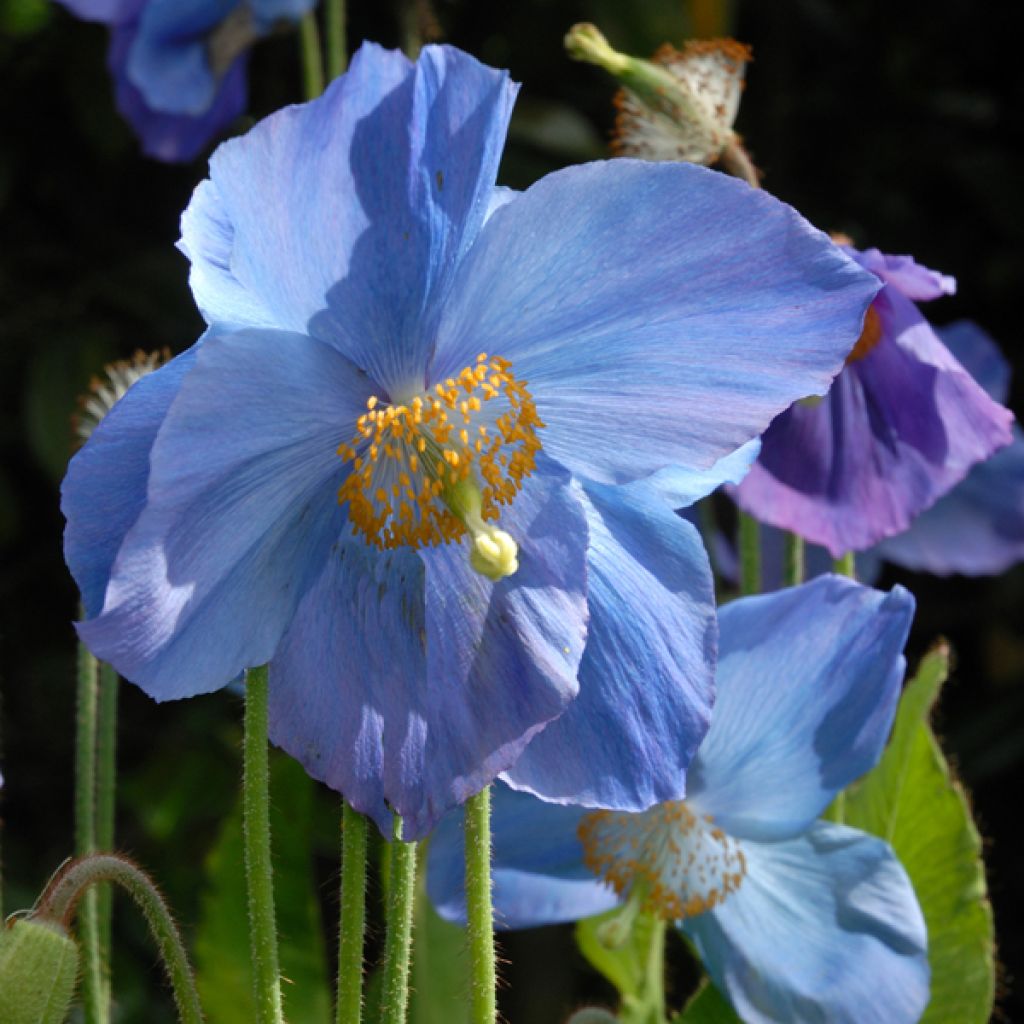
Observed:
{"x":900,"y":124}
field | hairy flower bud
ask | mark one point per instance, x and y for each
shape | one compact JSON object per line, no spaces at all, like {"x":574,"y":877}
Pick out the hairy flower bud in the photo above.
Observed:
{"x":38,"y":967}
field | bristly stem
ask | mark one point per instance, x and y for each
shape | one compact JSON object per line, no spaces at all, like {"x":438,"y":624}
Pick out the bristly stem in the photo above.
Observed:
{"x":846,"y":565}
{"x":479,"y":911}
{"x":353,"y":916}
{"x":256,"y":832}
{"x":95,"y":1006}
{"x":78,"y":879}
{"x":398,"y":943}
{"x":312,"y":62}
{"x":106,"y":804}
{"x":794,"y":569}
{"x":750,"y":554}
{"x":337,"y":41}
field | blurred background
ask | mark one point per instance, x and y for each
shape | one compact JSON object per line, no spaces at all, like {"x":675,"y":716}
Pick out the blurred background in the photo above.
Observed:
{"x":900,"y":124}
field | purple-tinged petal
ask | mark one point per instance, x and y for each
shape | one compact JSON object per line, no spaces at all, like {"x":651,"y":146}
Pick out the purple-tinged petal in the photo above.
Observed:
{"x":905,"y":274}
{"x":416,"y":686}
{"x":823,"y":927}
{"x":241,"y":510}
{"x":174,"y":137}
{"x":105,"y":487}
{"x":808,"y":680}
{"x":350,"y":213}
{"x":899,"y":429}
{"x":106,"y":12}
{"x":978,"y":353}
{"x":661,"y":314}
{"x":537,"y":865}
{"x":647,"y":676}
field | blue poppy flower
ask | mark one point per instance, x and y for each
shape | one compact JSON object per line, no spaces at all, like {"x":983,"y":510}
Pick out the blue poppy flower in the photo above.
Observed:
{"x":796,"y":919}
{"x":179,"y":66}
{"x":391,"y":466}
{"x":901,"y":426}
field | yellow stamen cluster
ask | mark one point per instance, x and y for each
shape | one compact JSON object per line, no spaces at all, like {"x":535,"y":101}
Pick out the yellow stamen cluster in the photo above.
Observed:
{"x":407,"y":458}
{"x":680,"y":863}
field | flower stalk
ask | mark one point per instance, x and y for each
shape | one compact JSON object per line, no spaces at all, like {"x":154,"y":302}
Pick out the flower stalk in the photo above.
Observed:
{"x":794,"y":567}
{"x":846,"y":565}
{"x":349,"y":1003}
{"x":398,"y":944}
{"x":256,"y":833}
{"x":750,"y":555}
{"x":337,"y":40}
{"x":479,"y":909}
{"x":312,"y":63}
{"x":106,"y":803}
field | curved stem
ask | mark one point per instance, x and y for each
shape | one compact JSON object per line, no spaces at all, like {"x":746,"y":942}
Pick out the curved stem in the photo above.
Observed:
{"x":95,"y":1006}
{"x":312,"y":64}
{"x":74,"y":884}
{"x":337,"y":43}
{"x":398,"y":944}
{"x":353,"y":916}
{"x":256,"y":835}
{"x":750,"y":555}
{"x":736,"y":161}
{"x":479,"y":911}
{"x":794,"y":571}
{"x":106,"y":782}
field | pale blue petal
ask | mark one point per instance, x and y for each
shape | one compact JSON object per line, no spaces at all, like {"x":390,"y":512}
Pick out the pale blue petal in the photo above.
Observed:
{"x":411,"y":679}
{"x":808,"y":680}
{"x":647,"y":677}
{"x":105,"y":487}
{"x":661,"y":314}
{"x":823,"y":928}
{"x":977,"y":352}
{"x":241,"y":510}
{"x":681,"y":488}
{"x":537,"y":866}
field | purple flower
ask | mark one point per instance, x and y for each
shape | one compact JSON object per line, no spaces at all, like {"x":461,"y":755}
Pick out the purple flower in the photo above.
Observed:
{"x":391,"y":468}
{"x":179,"y":66}
{"x":901,"y":426}
{"x":796,"y":919}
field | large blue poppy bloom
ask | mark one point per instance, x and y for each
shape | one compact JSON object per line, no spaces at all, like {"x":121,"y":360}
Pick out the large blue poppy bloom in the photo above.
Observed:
{"x":796,"y":919}
{"x":390,"y":468}
{"x":901,"y":426}
{"x":179,"y":66}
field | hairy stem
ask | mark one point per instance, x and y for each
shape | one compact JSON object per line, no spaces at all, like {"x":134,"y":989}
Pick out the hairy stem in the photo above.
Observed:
{"x":398,"y":944}
{"x":479,"y":911}
{"x":353,"y":916}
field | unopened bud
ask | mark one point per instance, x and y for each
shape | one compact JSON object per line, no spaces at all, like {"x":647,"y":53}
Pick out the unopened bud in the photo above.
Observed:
{"x":38,"y":968}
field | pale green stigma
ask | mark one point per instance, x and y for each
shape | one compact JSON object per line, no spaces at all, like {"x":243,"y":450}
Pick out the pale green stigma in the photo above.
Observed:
{"x":494,"y":553}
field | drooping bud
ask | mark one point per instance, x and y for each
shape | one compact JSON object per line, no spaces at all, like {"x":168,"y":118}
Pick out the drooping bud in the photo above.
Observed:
{"x":38,"y":968}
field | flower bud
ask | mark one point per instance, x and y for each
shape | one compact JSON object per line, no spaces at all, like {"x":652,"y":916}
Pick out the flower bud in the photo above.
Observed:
{"x":38,"y":968}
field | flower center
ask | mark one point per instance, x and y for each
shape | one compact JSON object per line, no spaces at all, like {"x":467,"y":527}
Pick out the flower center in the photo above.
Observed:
{"x":427,"y":471}
{"x":870,"y":336}
{"x":680,"y":862}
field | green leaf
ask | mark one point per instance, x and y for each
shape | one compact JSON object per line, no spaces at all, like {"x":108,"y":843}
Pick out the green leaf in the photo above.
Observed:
{"x":912,"y":800}
{"x":708,"y":1006}
{"x":440,"y":967}
{"x":222,"y":943}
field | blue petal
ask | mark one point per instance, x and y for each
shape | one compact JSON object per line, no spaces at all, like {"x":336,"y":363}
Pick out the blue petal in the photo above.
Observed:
{"x":348,"y":215}
{"x":681,"y":488}
{"x":241,"y":510}
{"x":905,"y":274}
{"x":647,"y":677}
{"x":174,"y":137}
{"x":107,"y":12}
{"x":537,"y":865}
{"x":105,"y":487}
{"x":824,"y":927}
{"x":978,"y":353}
{"x":409,"y":678}
{"x":269,"y":12}
{"x":662,"y":314}
{"x":808,"y":680}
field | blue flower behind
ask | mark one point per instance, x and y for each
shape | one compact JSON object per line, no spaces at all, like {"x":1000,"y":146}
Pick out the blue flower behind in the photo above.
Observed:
{"x":391,"y":467}
{"x":796,"y":919}
{"x":179,"y":66}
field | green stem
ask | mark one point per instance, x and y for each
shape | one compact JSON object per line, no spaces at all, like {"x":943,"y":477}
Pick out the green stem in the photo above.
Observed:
{"x":479,"y":912}
{"x":106,"y":781}
{"x":794,"y":569}
{"x":95,"y":1007}
{"x":750,"y":555}
{"x":846,"y":565}
{"x":312,"y":64}
{"x":256,"y":832}
{"x":353,"y":916}
{"x":648,"y":1005}
{"x":398,"y":943}
{"x":74,"y":884}
{"x":337,"y":41}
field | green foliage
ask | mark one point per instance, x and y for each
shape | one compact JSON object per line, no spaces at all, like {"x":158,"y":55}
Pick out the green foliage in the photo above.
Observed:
{"x":912,"y":800}
{"x":222,"y":943}
{"x":708,"y":1006}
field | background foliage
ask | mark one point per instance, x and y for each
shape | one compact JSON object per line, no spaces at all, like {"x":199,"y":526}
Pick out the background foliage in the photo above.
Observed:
{"x":899,"y":124}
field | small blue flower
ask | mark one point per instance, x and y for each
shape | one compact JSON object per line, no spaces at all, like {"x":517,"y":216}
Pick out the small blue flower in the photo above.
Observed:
{"x":391,"y":468}
{"x":179,"y":66}
{"x":796,"y":919}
